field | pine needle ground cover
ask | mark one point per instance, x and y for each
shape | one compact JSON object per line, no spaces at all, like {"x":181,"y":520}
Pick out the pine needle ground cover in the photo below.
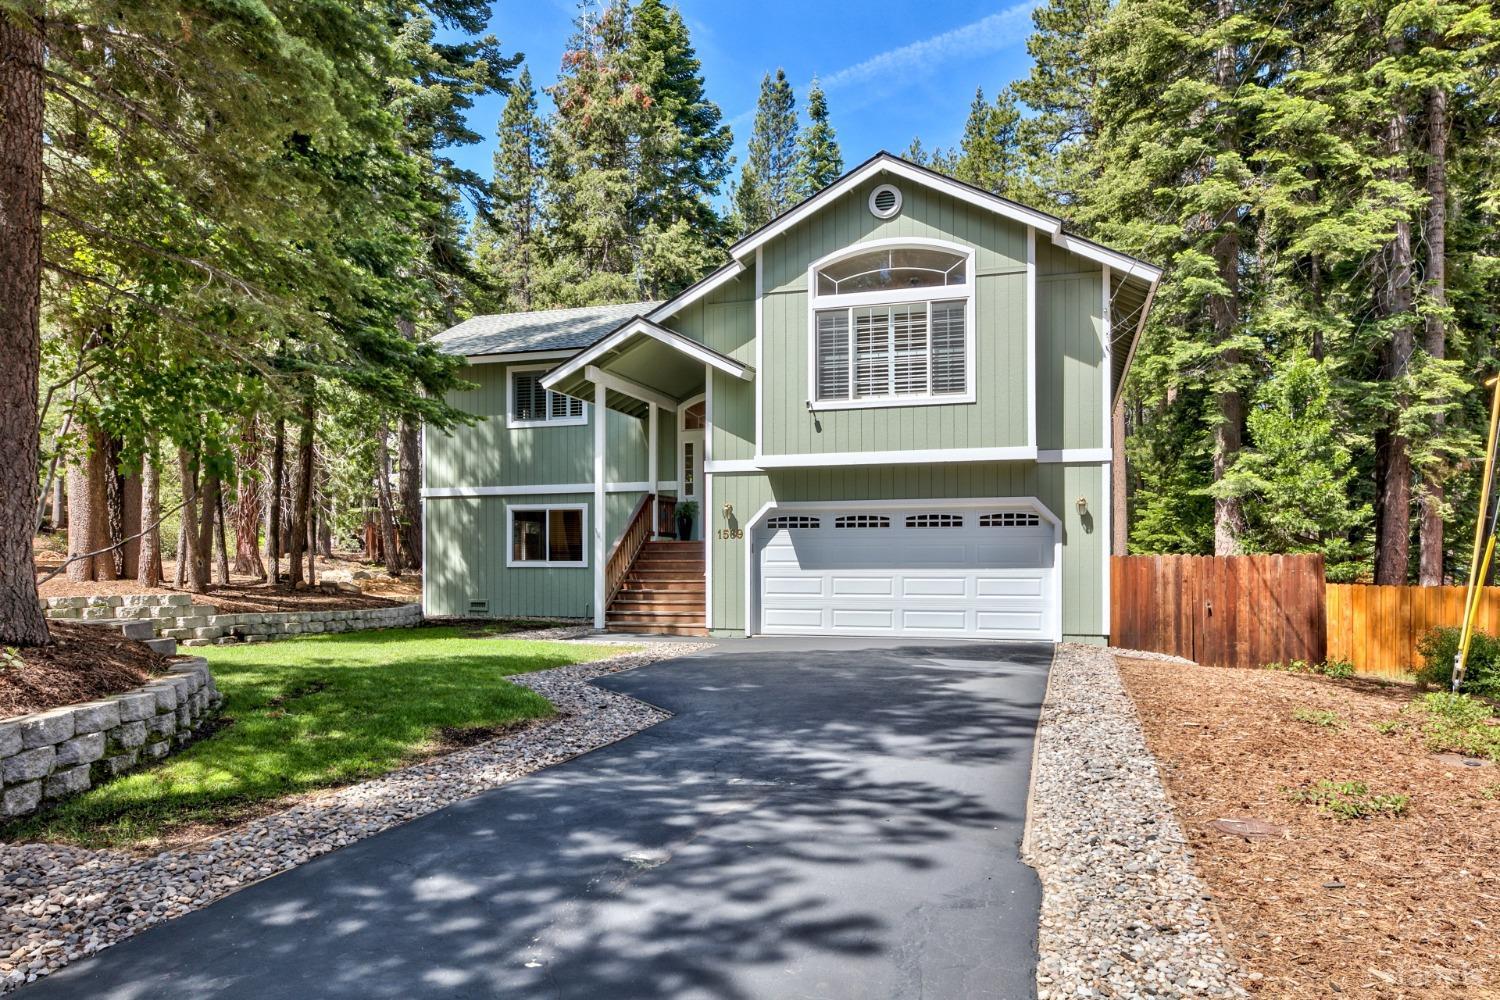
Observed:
{"x":1382,"y":880}
{"x":314,"y":713}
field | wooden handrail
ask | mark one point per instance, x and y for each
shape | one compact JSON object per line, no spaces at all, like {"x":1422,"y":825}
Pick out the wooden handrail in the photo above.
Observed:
{"x":636,"y":534}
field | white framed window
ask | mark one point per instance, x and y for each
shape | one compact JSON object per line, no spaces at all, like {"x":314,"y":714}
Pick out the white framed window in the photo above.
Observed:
{"x":530,"y":405}
{"x":891,"y":323}
{"x":547,"y":535}
{"x":1009,"y":519}
{"x":798,"y":521}
{"x":862,"y":521}
{"x":934,"y":520}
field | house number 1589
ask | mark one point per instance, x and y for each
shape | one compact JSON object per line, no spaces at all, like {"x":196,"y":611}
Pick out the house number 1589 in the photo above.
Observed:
{"x":731,"y":532}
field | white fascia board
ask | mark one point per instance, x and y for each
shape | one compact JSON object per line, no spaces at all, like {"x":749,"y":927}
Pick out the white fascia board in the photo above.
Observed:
{"x":886,"y":163}
{"x":693,"y":293}
{"x":1075,"y":456}
{"x":1088,"y":249}
{"x":1135,"y":342}
{"x":1019,"y":453}
{"x":629,"y":387}
{"x":643,"y":327}
{"x":493,"y":359}
{"x":449,"y":492}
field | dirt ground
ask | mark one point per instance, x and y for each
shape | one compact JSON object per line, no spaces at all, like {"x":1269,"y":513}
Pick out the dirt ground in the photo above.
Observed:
{"x":246,"y":594}
{"x":1390,"y":907}
{"x":83,"y":663}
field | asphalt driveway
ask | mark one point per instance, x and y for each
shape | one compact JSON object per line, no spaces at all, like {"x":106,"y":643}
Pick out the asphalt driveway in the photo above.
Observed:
{"x":820,"y":818}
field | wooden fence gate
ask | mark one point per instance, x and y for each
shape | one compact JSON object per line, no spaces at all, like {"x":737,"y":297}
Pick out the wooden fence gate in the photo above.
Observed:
{"x":1227,"y":611}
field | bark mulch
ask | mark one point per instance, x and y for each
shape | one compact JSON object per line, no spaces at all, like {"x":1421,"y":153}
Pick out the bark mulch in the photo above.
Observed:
{"x":245,"y":596}
{"x":1391,"y":907}
{"x":84,"y":662}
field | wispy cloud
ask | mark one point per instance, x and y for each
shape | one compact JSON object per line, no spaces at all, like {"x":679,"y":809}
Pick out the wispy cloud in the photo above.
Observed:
{"x":988,"y":34}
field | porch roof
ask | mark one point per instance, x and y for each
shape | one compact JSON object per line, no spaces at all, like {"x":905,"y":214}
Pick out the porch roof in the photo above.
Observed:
{"x":639,"y":363}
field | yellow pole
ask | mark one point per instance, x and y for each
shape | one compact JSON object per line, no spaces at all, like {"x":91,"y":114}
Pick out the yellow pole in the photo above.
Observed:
{"x":1471,"y":599}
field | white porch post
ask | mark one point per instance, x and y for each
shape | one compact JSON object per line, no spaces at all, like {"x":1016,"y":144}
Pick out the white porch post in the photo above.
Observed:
{"x":651,"y":466}
{"x":600,"y":415}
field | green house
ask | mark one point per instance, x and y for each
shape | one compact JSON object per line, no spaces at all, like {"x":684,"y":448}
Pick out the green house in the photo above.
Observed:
{"x":892,"y":408}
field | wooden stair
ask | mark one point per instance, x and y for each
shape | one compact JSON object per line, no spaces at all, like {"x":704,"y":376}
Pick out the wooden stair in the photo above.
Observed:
{"x":664,"y":592}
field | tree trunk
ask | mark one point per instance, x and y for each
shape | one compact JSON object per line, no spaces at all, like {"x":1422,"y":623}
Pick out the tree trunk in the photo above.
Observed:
{"x":131,"y":524}
{"x":179,"y":565}
{"x":148,"y":572}
{"x":114,"y":507}
{"x":208,"y":497}
{"x":89,"y":516}
{"x":1434,"y":339}
{"x":21,"y":104}
{"x":189,"y":565}
{"x":304,"y":493}
{"x":273,"y":502}
{"x":410,"y":457}
{"x":221,"y":548}
{"x":59,"y":504}
{"x":383,"y":493}
{"x":79,"y":521}
{"x":1393,"y":526}
{"x":1224,"y":312}
{"x":247,"y":504}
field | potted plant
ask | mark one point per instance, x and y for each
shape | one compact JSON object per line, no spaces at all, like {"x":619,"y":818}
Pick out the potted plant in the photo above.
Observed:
{"x":686,"y":511}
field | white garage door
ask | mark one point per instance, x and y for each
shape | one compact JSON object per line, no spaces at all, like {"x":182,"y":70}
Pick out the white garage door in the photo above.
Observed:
{"x":975,"y":573}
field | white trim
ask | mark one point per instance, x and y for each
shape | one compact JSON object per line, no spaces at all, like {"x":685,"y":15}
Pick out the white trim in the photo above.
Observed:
{"x":685,"y":437}
{"x":941,"y":293}
{"x":511,"y":423}
{"x":500,"y":359}
{"x":692,"y":294}
{"x":1075,"y":456}
{"x":559,"y":489}
{"x":1106,"y":484}
{"x":422,"y":450}
{"x":1031,"y":358}
{"x":733,"y":465}
{"x":643,"y":327}
{"x":653,"y":466}
{"x":628,"y":387}
{"x":1135,"y":341}
{"x":1016,"y":453}
{"x":1016,"y":503}
{"x":886,"y":163}
{"x":1109,"y":546}
{"x":760,"y":328}
{"x":1090,"y":250}
{"x":705,"y":516}
{"x":1106,"y":371}
{"x":895,"y":209}
{"x":510,"y":527}
{"x":599,"y":512}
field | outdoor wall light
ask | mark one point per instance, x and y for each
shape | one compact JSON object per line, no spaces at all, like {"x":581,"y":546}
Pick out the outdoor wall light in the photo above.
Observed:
{"x":728,"y":511}
{"x":1082,"y":503}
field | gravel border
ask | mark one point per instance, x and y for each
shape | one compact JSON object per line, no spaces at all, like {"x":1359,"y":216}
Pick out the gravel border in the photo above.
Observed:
{"x":1123,"y":913}
{"x":59,"y":903}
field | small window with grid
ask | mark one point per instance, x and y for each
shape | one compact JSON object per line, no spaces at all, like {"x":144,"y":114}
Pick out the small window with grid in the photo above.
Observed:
{"x":798,"y":521}
{"x":862,"y":521}
{"x":1009,"y":519}
{"x":935,"y":521}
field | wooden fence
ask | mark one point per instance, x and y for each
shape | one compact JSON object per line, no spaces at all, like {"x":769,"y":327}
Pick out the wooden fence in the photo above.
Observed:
{"x":1377,"y":628}
{"x":1234,"y":611}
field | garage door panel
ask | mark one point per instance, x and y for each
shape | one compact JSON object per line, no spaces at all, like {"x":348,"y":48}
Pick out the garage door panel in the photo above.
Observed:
{"x":870,"y":586}
{"x":994,"y":580}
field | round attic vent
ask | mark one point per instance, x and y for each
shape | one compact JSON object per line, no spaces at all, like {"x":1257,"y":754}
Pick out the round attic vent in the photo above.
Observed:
{"x":885,"y":201}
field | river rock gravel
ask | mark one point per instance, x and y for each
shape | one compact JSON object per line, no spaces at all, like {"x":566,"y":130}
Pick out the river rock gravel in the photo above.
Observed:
{"x":59,"y":903}
{"x":1123,"y":913}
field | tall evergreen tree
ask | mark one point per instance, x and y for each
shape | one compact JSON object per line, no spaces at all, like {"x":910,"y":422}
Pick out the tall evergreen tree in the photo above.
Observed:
{"x":768,"y":182}
{"x":987,"y":154}
{"x":507,"y":245}
{"x":819,"y":161}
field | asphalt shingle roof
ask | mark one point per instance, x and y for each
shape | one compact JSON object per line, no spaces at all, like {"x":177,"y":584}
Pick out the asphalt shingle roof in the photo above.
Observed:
{"x":547,"y":330}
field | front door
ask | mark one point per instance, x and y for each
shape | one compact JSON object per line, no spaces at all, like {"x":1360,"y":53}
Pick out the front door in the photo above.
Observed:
{"x":690,"y":461}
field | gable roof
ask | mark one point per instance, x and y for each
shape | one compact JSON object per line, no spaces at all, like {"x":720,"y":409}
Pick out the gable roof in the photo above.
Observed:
{"x":543,"y":330}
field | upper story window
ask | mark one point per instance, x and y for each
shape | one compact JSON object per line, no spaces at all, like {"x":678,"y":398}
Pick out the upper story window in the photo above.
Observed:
{"x":892,"y":326}
{"x":533,"y":406}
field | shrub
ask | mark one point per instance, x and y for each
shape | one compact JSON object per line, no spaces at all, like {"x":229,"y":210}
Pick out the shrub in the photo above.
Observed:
{"x":1349,"y":800}
{"x":1482,"y":672}
{"x":1457,"y":723}
{"x":1318,"y":717}
{"x":1339,"y":669}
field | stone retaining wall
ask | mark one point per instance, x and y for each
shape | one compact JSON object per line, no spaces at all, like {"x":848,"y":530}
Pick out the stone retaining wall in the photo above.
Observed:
{"x":63,"y":751}
{"x":174,"y":616}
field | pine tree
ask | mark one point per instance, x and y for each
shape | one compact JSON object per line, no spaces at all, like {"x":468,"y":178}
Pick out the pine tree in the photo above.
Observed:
{"x":819,"y":162}
{"x":768,"y":181}
{"x":987,"y":154}
{"x":507,"y":246}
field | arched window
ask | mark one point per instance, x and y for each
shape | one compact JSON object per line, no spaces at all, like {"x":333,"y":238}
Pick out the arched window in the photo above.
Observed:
{"x":891,"y":325}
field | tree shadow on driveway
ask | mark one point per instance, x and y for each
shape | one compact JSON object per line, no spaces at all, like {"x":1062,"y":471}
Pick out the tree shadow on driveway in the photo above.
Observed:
{"x":817,"y":819}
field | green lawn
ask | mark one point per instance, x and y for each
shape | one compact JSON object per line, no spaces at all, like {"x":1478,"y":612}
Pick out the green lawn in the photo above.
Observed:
{"x":309,"y":713}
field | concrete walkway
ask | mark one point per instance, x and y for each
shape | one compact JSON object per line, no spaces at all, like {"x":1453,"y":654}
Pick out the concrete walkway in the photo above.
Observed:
{"x":821,"y":818}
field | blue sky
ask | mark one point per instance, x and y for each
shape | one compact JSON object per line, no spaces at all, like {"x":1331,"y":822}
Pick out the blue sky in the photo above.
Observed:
{"x":893,"y":69}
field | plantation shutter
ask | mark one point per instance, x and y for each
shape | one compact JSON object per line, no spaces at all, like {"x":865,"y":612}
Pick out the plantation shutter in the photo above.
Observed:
{"x":909,"y":341}
{"x":833,"y":354}
{"x":872,"y":352}
{"x":949,"y":353}
{"x":561,"y":406}
{"x":530,"y":399}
